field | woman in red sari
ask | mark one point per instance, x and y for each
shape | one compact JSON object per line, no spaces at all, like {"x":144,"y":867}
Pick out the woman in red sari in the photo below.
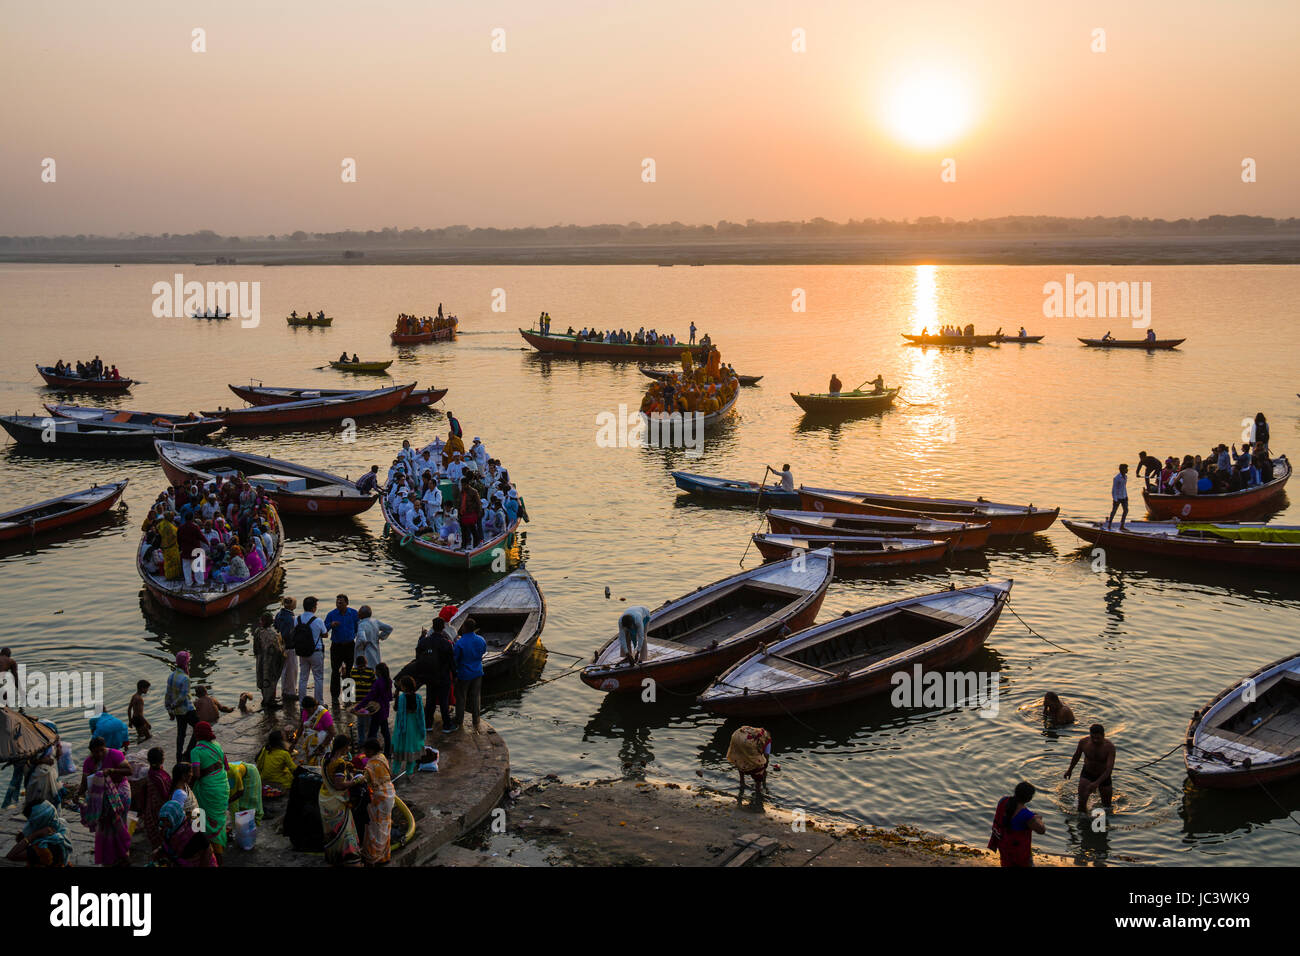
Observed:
{"x":157,"y":791}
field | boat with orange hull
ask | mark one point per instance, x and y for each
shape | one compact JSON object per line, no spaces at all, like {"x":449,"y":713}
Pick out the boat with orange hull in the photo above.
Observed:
{"x":276,"y":394}
{"x":316,"y":410}
{"x":1209,"y":507}
{"x":1249,"y":735}
{"x":956,"y":341}
{"x":83,"y":384}
{"x":962,"y":535}
{"x":587,"y":348}
{"x":1248,"y":544}
{"x":1002,"y":519}
{"x":295,"y":489}
{"x":853,"y":550}
{"x":694,"y":637}
{"x":419,"y":338}
{"x":54,"y":513}
{"x":859,"y":655}
{"x":213,"y":598}
{"x":1148,"y":345}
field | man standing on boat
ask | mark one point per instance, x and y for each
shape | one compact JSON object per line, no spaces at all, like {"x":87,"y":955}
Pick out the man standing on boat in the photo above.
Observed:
{"x":836,"y":384}
{"x":1098,"y":755}
{"x":692,"y":342}
{"x":878,"y":384}
{"x":1119,"y":496}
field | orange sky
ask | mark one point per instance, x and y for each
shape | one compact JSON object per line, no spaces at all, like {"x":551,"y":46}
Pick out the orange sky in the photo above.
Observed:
{"x":248,"y":137}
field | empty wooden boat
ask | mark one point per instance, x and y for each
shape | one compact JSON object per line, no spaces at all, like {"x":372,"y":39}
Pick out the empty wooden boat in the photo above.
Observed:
{"x":1002,"y":519}
{"x":67,"y":436}
{"x":1242,"y":739}
{"x":853,"y":550}
{"x":855,"y":656}
{"x":694,"y":637}
{"x":1147,"y":344}
{"x":184,"y":426}
{"x":423,"y":546}
{"x":316,"y":410}
{"x":663,"y":374}
{"x":961,"y":341}
{"x":212,"y":597}
{"x":295,"y":489}
{"x":555,"y":344}
{"x":731,"y":489}
{"x":845,"y":403}
{"x":1253,"y":545}
{"x":510,"y":616}
{"x":275,"y":394}
{"x":366,"y":368}
{"x":1210,"y":507}
{"x":83,"y":384}
{"x":962,"y":535}
{"x":57,"y":512}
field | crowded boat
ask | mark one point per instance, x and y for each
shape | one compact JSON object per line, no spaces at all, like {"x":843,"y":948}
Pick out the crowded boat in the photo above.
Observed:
{"x":706,"y":389}
{"x":424,"y":324}
{"x":93,"y":370}
{"x":1223,"y":470}
{"x":641,"y":336}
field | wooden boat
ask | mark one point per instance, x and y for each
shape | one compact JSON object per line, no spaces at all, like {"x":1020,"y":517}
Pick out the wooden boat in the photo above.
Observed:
{"x":274,"y":395}
{"x":426,"y":550}
{"x":845,"y":403}
{"x":1255,"y":545}
{"x":213,"y":598}
{"x":57,"y":512}
{"x":84,"y":384}
{"x":665,"y":428}
{"x":662,"y":374}
{"x":309,"y":321}
{"x":1133,"y":343}
{"x":59,"y":435}
{"x":1002,"y":519}
{"x":316,"y":410}
{"x":1020,"y":339}
{"x":1209,"y":507}
{"x":852,"y":657}
{"x":211,"y":316}
{"x":962,"y":535}
{"x":418,"y":338}
{"x":728,"y":489}
{"x":1233,"y":742}
{"x":961,"y":341}
{"x":555,"y":344}
{"x":184,"y":426}
{"x":295,"y":489}
{"x":854,"y":550}
{"x":362,"y":367}
{"x":510,"y":616}
{"x":694,"y":637}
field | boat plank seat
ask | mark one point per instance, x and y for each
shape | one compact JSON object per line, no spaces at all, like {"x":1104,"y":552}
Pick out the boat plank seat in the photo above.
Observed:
{"x":934,"y":614}
{"x":778,"y":671}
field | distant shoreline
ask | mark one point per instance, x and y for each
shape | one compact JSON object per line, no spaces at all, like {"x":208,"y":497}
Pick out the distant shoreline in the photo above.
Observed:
{"x":984,"y":250}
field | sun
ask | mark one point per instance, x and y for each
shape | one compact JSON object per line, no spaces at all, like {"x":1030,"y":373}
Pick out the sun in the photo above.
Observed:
{"x":928,"y":107}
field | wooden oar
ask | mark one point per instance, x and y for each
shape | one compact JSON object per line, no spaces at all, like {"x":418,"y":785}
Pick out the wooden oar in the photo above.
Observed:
{"x":762,"y":483}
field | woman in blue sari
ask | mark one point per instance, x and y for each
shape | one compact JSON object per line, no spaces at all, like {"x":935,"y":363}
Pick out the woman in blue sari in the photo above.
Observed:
{"x":408,"y":729}
{"x":44,"y":840}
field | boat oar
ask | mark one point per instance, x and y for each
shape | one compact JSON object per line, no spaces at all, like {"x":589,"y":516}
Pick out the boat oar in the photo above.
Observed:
{"x":762,"y":483}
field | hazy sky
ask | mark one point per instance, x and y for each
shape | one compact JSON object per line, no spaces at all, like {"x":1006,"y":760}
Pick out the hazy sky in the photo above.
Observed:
{"x":249,"y":136}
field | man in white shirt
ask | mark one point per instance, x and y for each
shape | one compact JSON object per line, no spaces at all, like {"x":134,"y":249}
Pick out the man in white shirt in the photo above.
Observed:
{"x":785,"y":477}
{"x":456,"y":468}
{"x":1119,"y":496}
{"x":432,"y":502}
{"x":479,"y":452}
{"x":314,"y":665}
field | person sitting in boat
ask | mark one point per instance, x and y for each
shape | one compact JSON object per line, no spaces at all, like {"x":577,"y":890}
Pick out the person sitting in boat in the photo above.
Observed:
{"x":970,"y":330}
{"x":320,"y":314}
{"x":1055,"y":711}
{"x":448,"y":529}
{"x":1022,"y":332}
{"x":1108,"y":337}
{"x":632,"y":625}
{"x":343,"y":358}
{"x":515,"y":509}
{"x":1263,"y":465}
{"x":1151,"y":335}
{"x":255,"y":559}
{"x":293,"y":314}
{"x":878,"y":385}
{"x":1187,"y":480}
{"x":785,"y":477}
{"x":355,"y":360}
{"x":836,"y":384}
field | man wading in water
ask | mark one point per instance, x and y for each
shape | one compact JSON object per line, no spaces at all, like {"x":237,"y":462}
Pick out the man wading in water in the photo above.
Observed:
{"x":1098,"y":755}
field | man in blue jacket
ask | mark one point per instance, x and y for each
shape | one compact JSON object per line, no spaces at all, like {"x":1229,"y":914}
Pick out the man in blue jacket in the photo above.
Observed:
{"x":342,"y":626}
{"x":467,"y":653}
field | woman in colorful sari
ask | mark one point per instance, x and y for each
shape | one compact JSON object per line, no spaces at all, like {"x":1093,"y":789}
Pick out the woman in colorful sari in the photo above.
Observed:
{"x":170,"y":549}
{"x":182,"y":846}
{"x":105,"y":779}
{"x":254,"y":559}
{"x":44,"y":840}
{"x":211,"y":786}
{"x":408,"y":730}
{"x":379,"y":829}
{"x":245,"y":789}
{"x":315,"y":730}
{"x":276,"y":766}
{"x":341,"y":846}
{"x":157,"y":791}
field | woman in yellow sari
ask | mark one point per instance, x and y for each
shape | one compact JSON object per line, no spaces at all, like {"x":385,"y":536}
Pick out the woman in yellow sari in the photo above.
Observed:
{"x":170,"y":549}
{"x":341,"y":846}
{"x":379,"y":829}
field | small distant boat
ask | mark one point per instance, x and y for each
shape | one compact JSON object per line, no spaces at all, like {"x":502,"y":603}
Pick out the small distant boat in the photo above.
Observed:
{"x":276,"y":394}
{"x":1146,"y":344}
{"x":555,"y":344}
{"x":845,"y":403}
{"x":58,"y":512}
{"x":1239,"y":740}
{"x":727,"y":489}
{"x":184,"y":426}
{"x":66,"y":435}
{"x":316,"y":410}
{"x":856,"y":656}
{"x":310,"y":321}
{"x":510,"y":616}
{"x":210,"y":315}
{"x":961,"y":341}
{"x":295,"y":489}
{"x":447,"y":334}
{"x":362,"y":367}
{"x":1002,"y":519}
{"x":964,"y":536}
{"x":460,"y":559}
{"x":1020,"y":339}
{"x":694,"y":637}
{"x":662,"y":374}
{"x":853,"y":550}
{"x":1209,"y":507}
{"x":1255,"y":545}
{"x":86,"y":384}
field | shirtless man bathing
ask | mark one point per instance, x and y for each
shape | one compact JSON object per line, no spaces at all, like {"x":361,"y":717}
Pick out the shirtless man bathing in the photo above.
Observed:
{"x":1098,"y":755}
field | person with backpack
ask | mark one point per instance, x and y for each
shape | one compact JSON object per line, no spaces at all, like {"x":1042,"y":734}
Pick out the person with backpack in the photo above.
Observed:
{"x":1014,"y":826}
{"x":283,"y":623}
{"x":309,"y":647}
